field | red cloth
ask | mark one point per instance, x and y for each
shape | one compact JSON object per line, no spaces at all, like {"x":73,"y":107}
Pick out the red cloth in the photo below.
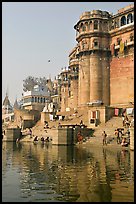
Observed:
{"x":116,"y":111}
{"x":94,"y":114}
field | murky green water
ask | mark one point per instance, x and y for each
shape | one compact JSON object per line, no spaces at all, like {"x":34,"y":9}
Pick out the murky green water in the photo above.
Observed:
{"x":41,"y":173}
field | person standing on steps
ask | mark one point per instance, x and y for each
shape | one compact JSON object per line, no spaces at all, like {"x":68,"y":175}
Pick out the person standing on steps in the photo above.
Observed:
{"x":123,"y":119}
{"x":104,"y":135}
{"x":119,"y":136}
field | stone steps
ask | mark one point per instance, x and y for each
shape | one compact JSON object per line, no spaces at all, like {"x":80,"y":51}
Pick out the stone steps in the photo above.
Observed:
{"x":109,"y":127}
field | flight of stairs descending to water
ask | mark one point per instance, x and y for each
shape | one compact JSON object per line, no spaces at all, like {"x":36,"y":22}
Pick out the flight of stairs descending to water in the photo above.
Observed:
{"x":38,"y":129}
{"x":109,"y":127}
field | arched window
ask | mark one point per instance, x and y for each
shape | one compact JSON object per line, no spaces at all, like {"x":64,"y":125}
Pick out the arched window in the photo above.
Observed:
{"x":129,"y":18}
{"x":35,"y":99}
{"x":95,"y":25}
{"x":83,"y":28}
{"x":105,"y":26}
{"x":83,"y":45}
{"x":90,"y":25}
{"x":32,"y":99}
{"x":123,"y":20}
{"x":100,"y":25}
{"x":41,"y":100}
{"x":86,"y":25}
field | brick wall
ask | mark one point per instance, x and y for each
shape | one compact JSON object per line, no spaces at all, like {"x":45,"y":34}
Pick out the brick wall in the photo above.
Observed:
{"x":122,"y":80}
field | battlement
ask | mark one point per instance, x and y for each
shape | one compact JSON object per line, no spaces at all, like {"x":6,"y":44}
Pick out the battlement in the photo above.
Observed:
{"x":125,"y":8}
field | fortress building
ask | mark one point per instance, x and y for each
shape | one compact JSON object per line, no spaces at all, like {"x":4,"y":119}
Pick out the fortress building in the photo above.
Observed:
{"x":100,"y":76}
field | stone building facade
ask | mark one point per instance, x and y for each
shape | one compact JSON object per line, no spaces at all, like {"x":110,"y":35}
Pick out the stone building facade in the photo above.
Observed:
{"x":101,"y":66}
{"x":122,"y":60}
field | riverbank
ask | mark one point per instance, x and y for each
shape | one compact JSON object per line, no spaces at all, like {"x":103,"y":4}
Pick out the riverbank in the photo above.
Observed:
{"x":52,"y":132}
{"x":94,"y":141}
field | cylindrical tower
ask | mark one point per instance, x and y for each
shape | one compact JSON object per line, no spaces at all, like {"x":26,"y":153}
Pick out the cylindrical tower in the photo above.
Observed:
{"x":73,"y":79}
{"x":94,"y":48}
{"x":95,"y":78}
{"x":84,"y":81}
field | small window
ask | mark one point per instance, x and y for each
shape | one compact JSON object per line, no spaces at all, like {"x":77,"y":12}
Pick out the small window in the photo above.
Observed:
{"x":84,"y":28}
{"x":95,"y":25}
{"x":131,"y":37}
{"x":32,"y":99}
{"x":95,"y":43}
{"x":81,"y":27}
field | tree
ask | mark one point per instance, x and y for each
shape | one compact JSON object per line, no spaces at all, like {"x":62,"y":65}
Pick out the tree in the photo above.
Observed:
{"x":30,"y":82}
{"x":41,"y":81}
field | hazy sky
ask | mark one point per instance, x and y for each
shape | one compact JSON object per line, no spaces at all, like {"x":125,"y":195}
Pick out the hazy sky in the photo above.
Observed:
{"x":35,"y":32}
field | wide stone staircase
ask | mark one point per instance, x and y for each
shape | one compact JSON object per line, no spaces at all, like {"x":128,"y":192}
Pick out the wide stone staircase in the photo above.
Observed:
{"x":109,"y":127}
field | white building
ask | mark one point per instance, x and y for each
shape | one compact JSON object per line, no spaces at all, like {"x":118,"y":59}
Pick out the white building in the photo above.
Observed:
{"x":36,"y":99}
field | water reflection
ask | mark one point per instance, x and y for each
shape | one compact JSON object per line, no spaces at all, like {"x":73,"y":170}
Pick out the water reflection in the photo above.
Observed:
{"x":41,"y":173}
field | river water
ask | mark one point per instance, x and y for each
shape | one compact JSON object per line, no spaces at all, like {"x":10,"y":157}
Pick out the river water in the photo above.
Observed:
{"x":51,"y":173}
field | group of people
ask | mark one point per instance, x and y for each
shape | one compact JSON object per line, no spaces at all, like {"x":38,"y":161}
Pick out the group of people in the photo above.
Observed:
{"x":47,"y":139}
{"x":119,"y":135}
{"x":120,"y":139}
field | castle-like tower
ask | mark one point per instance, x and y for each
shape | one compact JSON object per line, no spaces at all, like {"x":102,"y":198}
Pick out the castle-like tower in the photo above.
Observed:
{"x":93,"y":53}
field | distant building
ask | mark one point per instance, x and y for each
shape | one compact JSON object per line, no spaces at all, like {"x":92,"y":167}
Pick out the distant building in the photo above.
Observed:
{"x":7,"y":110}
{"x":36,"y":99}
{"x":6,"y":107}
